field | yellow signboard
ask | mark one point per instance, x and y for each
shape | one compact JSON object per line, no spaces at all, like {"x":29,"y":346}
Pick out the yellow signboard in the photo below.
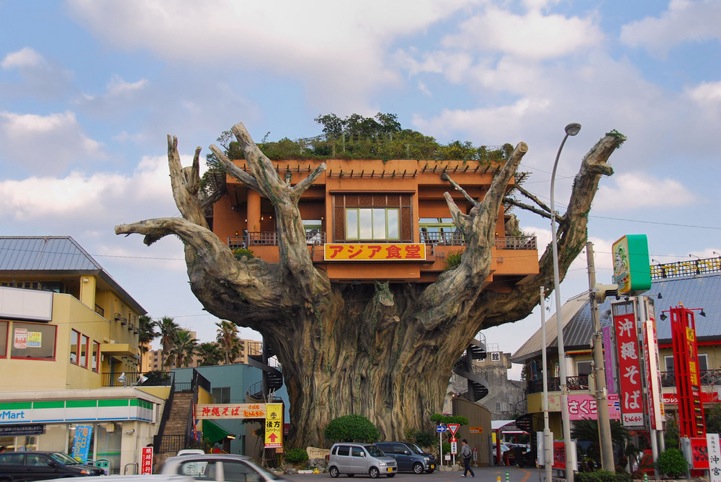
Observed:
{"x":274,"y":425}
{"x":374,"y":251}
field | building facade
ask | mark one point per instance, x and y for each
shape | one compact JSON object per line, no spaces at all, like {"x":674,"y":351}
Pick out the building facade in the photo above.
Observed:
{"x":69,"y":355}
{"x":695,"y":283}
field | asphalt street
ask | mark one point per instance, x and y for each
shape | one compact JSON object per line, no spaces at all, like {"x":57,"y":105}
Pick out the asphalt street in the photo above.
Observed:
{"x":483,"y":474}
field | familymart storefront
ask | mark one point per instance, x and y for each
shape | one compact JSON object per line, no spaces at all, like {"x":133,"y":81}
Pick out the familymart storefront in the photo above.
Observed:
{"x":106,"y":426}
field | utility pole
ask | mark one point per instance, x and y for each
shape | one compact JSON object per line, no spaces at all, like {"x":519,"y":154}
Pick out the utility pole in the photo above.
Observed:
{"x":604,"y":421}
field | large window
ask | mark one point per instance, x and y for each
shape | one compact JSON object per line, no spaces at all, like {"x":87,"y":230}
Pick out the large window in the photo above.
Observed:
{"x":74,"y":342}
{"x":4,"y":339}
{"x":96,"y":357}
{"x":33,"y":340}
{"x":372,"y":224}
{"x":84,"y":351}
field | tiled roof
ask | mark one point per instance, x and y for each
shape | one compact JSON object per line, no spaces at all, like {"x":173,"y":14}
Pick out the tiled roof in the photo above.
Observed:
{"x":702,"y":291}
{"x":56,"y":254}
{"x":53,"y":253}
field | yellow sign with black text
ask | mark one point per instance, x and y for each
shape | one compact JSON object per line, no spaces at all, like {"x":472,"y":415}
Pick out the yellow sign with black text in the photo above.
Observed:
{"x":273,"y":425}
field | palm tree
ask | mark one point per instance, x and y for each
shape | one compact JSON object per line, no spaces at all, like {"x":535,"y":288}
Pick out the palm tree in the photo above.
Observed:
{"x":183,"y":350}
{"x":209,"y":353}
{"x":146,"y":334}
{"x":168,"y":332}
{"x":587,"y":430}
{"x":230,"y":344}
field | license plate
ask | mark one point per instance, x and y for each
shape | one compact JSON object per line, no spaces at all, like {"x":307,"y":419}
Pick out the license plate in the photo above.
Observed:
{"x":432,"y":467}
{"x":390,"y":469}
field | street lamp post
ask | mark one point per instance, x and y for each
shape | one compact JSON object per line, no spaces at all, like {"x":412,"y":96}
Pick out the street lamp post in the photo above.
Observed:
{"x":571,"y":130}
{"x":547,"y":436}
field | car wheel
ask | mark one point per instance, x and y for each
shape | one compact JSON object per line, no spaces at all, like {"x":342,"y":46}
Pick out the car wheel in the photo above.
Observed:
{"x":374,"y":472}
{"x":418,"y":468}
{"x":333,"y":471}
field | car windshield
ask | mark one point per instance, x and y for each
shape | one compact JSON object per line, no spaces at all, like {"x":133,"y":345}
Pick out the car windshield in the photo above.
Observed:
{"x":415,"y":449}
{"x":374,"y":451}
{"x":64,"y":459}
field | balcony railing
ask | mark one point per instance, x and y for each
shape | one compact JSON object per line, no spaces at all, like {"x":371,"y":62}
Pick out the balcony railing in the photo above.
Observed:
{"x":579,"y":382}
{"x":668,"y":379}
{"x":270,"y":238}
{"x":706,"y":378}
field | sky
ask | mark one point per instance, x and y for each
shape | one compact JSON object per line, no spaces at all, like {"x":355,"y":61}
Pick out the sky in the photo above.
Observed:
{"x":90,"y":90}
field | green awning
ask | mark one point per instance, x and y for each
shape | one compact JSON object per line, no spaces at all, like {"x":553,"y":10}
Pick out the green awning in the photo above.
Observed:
{"x":212,"y":432}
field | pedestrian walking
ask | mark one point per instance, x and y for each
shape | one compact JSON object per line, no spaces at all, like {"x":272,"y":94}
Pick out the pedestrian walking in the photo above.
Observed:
{"x":467,"y":456}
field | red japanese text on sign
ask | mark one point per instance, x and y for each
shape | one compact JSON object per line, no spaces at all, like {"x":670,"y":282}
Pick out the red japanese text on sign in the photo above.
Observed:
{"x":230,"y":410}
{"x":374,"y":252}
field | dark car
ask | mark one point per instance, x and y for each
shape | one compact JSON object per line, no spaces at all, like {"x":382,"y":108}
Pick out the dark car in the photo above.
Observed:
{"x":29,"y":466}
{"x":410,"y":457}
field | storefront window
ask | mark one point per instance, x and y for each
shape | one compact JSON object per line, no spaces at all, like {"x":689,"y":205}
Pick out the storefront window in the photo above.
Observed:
{"x":33,"y":340}
{"x":372,"y":224}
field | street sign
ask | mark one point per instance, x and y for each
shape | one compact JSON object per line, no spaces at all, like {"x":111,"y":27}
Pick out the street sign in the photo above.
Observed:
{"x":453,"y":427}
{"x":454,"y":447}
{"x":440,"y":428}
{"x":477,"y":429}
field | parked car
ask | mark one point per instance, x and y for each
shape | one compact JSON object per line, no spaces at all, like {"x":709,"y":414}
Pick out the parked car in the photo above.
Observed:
{"x":410,"y":457}
{"x":506,"y":455}
{"x":29,"y":466}
{"x":190,"y":451}
{"x":218,"y":467}
{"x":355,"y":458}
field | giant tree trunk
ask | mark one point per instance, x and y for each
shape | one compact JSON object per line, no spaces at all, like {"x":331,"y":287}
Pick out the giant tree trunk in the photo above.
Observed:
{"x":384,"y":351}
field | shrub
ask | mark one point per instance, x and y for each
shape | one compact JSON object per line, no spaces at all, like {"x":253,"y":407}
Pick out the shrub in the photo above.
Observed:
{"x":603,"y":476}
{"x":239,"y":253}
{"x":352,"y":428}
{"x":672,"y":463}
{"x":453,"y":260}
{"x":296,"y":456}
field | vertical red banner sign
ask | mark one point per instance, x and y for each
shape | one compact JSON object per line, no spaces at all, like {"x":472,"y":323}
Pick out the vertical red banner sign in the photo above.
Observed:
{"x":146,"y":460}
{"x":629,"y":370}
{"x":688,"y":385}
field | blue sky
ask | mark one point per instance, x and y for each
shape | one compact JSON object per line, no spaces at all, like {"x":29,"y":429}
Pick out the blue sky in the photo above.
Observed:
{"x":89,"y":91}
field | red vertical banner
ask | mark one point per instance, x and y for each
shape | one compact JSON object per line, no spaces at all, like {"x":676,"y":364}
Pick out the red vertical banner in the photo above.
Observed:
{"x":629,"y":369}
{"x":146,"y":460}
{"x":688,"y":385}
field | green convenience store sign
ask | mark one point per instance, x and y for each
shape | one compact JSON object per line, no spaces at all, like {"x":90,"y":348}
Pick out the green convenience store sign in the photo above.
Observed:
{"x":59,"y":411}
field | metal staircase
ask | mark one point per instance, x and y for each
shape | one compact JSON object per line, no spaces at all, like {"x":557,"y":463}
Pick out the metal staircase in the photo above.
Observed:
{"x":477,"y":384}
{"x":272,"y":375}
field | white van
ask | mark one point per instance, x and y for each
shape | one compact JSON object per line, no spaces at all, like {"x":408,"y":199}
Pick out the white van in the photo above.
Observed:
{"x":356,"y":458}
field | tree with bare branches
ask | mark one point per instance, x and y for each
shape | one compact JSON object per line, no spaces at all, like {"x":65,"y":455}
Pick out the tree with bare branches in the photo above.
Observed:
{"x":381,"y":350}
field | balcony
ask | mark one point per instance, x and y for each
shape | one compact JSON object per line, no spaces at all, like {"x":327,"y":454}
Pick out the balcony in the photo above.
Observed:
{"x":270,"y":238}
{"x":579,"y":382}
{"x":707,"y":378}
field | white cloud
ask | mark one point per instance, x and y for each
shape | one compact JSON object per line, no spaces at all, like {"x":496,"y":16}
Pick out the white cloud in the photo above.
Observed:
{"x":705,"y":93}
{"x":638,"y":190}
{"x":23,"y":58}
{"x":45,"y":143}
{"x":337,"y":48}
{"x":683,"y":21}
{"x":532,"y":36}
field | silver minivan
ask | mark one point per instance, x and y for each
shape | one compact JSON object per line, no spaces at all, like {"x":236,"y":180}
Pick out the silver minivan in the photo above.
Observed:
{"x":355,"y":458}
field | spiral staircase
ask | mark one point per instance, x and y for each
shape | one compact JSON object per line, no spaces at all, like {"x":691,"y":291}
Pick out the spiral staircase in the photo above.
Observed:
{"x":477,"y":384}
{"x":272,"y":376}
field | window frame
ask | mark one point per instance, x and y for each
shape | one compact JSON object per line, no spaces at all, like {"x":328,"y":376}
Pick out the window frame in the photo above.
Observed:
{"x":377,"y":219}
{"x":46,"y":331}
{"x":74,"y":347}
